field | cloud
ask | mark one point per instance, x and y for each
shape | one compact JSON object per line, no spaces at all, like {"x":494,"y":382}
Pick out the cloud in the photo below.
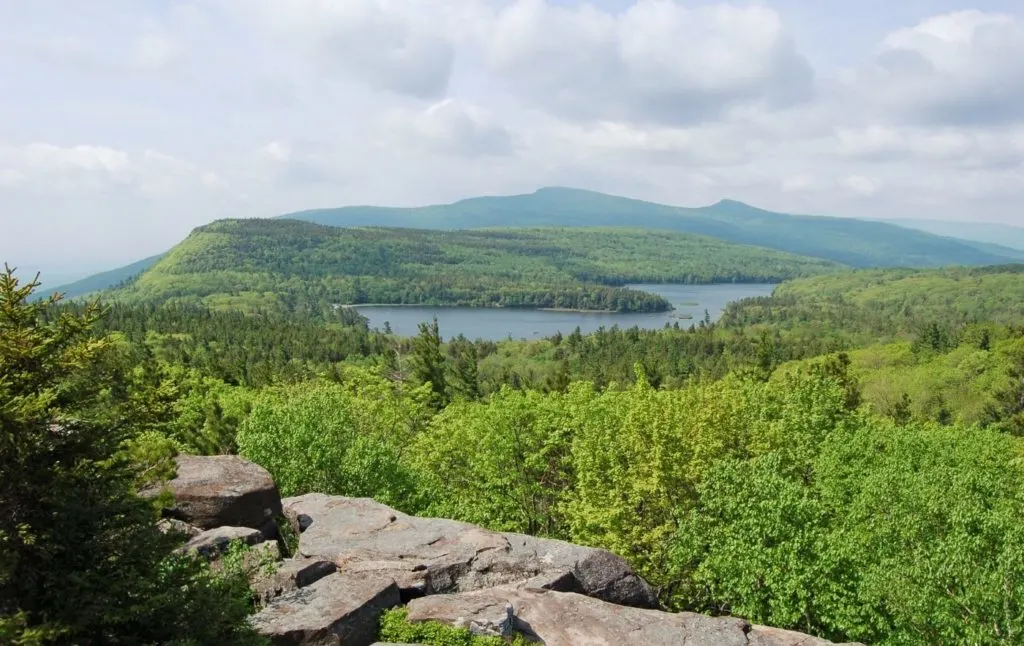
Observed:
{"x":961,"y":69}
{"x":392,"y":45}
{"x":451,"y":127}
{"x":954,"y":147}
{"x":861,"y":185}
{"x":126,"y":124}
{"x":657,"y":62}
{"x":44,"y":167}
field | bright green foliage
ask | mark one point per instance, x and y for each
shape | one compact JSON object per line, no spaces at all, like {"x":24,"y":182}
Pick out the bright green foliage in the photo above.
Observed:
{"x":296,"y":266}
{"x":1007,"y":411}
{"x":343,"y":438}
{"x":880,"y":533}
{"x":639,"y":455}
{"x":396,"y":628}
{"x":81,"y":560}
{"x":929,"y":306}
{"x":974,"y":385}
{"x":501,"y":464}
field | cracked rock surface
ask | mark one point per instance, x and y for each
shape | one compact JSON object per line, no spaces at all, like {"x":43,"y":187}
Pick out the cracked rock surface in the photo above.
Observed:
{"x":357,"y":557}
{"x":428,"y":556}
{"x":569,"y":619}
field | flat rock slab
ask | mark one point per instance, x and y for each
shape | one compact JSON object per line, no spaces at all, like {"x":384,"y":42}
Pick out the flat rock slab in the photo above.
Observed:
{"x":338,"y":609}
{"x":291,"y":574}
{"x":765,"y":636}
{"x":214,"y":542}
{"x":570,"y":619}
{"x":223,"y":490}
{"x":431,"y":556}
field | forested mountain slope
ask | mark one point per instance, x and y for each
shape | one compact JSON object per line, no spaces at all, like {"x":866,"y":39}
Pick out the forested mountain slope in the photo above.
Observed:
{"x":849,"y":241}
{"x":299,"y":265}
{"x":867,"y":306}
{"x":107,"y":279}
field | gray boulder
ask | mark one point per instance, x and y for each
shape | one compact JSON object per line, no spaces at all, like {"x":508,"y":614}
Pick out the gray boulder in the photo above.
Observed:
{"x":337,"y":609}
{"x":431,"y":556}
{"x":570,"y":619}
{"x":765,"y":636}
{"x":223,"y":490}
{"x":289,"y":575}
{"x":214,"y":542}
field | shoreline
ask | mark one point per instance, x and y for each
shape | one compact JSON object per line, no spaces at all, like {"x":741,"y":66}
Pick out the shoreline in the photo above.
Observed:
{"x":563,"y":310}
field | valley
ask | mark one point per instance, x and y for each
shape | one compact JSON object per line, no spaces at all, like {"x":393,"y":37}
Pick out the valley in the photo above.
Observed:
{"x":707,"y":411}
{"x":511,"y":323}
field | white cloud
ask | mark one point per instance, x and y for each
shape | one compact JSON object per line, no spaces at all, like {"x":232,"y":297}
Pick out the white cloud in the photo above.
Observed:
{"x":278,"y":151}
{"x":450,"y":127}
{"x":962,"y":68}
{"x":393,"y":45}
{"x":259,"y":107}
{"x":155,"y":52}
{"x":861,"y":185}
{"x":86,"y":168}
{"x":657,"y":62}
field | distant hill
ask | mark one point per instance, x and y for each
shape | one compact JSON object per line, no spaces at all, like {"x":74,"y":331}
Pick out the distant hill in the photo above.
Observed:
{"x":104,"y":280}
{"x":859,"y":243}
{"x":873,"y":305}
{"x":252,"y":264}
{"x":1003,"y":235}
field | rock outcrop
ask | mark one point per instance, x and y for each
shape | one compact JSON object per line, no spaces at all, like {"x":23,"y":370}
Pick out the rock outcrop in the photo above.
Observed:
{"x":429,"y":556}
{"x":215,"y":541}
{"x":291,"y":574}
{"x":357,"y":558}
{"x":569,"y":619}
{"x":337,"y":609}
{"x":223,"y":490}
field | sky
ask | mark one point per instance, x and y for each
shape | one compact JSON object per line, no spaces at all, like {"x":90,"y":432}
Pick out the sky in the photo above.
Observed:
{"x":125,"y":124}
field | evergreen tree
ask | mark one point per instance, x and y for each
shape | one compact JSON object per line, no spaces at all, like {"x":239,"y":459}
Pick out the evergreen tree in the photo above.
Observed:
{"x":428,"y":364}
{"x":81,"y":560}
{"x":464,"y":381}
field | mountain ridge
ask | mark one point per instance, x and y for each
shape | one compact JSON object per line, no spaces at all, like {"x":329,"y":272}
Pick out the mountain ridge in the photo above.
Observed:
{"x":252,"y":264}
{"x":851,"y":241}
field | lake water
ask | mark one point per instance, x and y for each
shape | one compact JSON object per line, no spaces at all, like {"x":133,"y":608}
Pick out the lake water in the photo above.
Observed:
{"x":497,"y":324}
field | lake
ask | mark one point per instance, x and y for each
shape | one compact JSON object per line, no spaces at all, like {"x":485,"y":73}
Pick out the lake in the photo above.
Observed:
{"x":497,"y":324}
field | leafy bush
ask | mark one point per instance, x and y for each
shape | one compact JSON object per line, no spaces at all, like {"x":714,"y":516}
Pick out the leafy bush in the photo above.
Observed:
{"x":885,"y":534}
{"x":395,"y":627}
{"x":343,"y":439}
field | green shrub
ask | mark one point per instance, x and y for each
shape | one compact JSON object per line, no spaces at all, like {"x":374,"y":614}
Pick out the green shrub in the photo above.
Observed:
{"x":395,"y":627}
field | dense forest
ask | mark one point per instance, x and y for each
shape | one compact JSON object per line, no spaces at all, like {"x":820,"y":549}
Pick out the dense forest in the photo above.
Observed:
{"x":842,"y":458}
{"x":858,"y":243}
{"x":304,"y":267}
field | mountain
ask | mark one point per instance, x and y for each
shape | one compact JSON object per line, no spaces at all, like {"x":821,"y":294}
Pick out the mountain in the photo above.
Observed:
{"x":251,"y":264}
{"x":106,"y":279}
{"x":859,"y":243}
{"x":1003,"y":235}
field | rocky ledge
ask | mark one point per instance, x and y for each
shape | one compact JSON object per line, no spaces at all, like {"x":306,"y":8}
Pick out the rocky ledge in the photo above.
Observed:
{"x":357,"y":558}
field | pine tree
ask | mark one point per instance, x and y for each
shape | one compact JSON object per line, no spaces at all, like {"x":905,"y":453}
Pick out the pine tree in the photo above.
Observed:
{"x":464,"y":381}
{"x":81,"y":560}
{"x":428,"y":364}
